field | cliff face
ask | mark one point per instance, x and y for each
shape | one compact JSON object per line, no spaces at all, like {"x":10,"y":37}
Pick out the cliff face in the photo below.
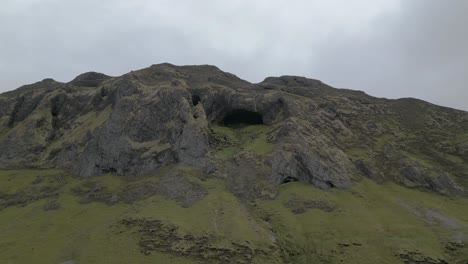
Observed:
{"x":284,"y":129}
{"x":190,"y":164}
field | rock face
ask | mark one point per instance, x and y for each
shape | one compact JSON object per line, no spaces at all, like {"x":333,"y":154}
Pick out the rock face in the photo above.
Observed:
{"x":165,"y":115}
{"x":89,"y":79}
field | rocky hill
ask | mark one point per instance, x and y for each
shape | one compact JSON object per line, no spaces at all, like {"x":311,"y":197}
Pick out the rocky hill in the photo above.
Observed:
{"x":286,"y":151}
{"x":165,"y":114}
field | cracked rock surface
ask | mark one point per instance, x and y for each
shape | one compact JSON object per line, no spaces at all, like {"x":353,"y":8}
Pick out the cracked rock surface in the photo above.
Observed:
{"x":166,"y":114}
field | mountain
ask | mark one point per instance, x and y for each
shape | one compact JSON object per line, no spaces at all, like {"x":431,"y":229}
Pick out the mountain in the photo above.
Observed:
{"x":190,"y":164}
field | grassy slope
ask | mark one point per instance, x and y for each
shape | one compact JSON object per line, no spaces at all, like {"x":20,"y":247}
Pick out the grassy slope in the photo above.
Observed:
{"x":88,"y":233}
{"x":251,"y":138}
{"x":371,"y":223}
{"x":370,"y":216}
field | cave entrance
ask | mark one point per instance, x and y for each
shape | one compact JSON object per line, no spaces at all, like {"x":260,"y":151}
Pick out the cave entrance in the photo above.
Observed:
{"x":195,"y":100}
{"x":240,"y":118}
{"x":290,"y":179}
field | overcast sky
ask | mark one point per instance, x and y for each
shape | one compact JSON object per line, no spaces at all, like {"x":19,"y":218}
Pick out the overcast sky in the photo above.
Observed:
{"x":388,"y":48}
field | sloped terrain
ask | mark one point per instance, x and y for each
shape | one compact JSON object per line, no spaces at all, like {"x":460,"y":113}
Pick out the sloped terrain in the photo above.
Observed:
{"x":189,"y":164}
{"x":107,"y":219}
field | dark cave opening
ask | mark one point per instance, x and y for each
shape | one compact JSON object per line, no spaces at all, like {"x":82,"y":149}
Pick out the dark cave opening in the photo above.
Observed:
{"x":195,"y":100}
{"x":240,"y":118}
{"x":106,"y":170}
{"x":330,"y":184}
{"x":289,"y":179}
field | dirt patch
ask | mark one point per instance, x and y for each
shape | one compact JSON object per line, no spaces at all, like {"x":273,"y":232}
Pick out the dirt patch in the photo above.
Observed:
{"x":456,"y":250}
{"x":41,"y":188}
{"x":413,"y":257}
{"x":299,"y":205}
{"x":95,"y":191}
{"x":158,"y":236}
{"x":175,"y":186}
{"x":92,"y":191}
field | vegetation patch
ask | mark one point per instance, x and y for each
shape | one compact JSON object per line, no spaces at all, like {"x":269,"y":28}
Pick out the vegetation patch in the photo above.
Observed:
{"x":89,"y":122}
{"x":367,"y":226}
{"x":302,"y":224}
{"x":3,"y":126}
{"x":29,"y":188}
{"x":299,"y":205}
{"x":358,"y":153}
{"x":416,"y":257}
{"x":94,"y":191}
{"x":158,"y":236}
{"x":174,"y":185}
{"x":150,"y":148}
{"x":253,"y":138}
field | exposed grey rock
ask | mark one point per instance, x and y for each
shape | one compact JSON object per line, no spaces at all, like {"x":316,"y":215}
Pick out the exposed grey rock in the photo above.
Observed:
{"x":176,"y":186}
{"x":414,"y":175}
{"x":369,"y":170}
{"x":297,"y":163}
{"x":163,"y":115}
{"x":89,"y":79}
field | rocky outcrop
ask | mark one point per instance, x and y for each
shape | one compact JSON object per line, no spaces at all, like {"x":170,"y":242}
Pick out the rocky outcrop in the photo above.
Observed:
{"x":90,"y":79}
{"x":299,"y":163}
{"x":164,"y":115}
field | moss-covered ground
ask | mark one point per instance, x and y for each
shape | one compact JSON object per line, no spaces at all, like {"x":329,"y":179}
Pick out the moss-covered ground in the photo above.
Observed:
{"x":253,"y":138}
{"x":370,"y":223}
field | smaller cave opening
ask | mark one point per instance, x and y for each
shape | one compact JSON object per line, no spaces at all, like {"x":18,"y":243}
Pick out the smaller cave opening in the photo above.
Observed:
{"x":330,"y":184}
{"x":289,"y":179}
{"x":195,"y":100}
{"x":110,"y":170}
{"x":241,"y":118}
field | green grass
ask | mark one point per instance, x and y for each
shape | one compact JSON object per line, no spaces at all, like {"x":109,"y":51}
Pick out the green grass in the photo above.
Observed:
{"x":86,"y":233}
{"x":462,"y":138}
{"x":23,"y":129}
{"x":259,"y":143}
{"x":420,"y":158}
{"x":79,"y":232}
{"x":219,"y":213}
{"x":12,"y":181}
{"x":358,"y":153}
{"x":253,"y":138}
{"x":382,"y":140}
{"x":83,"y":125}
{"x":150,"y":147}
{"x":89,"y":122}
{"x":370,"y":215}
{"x":453,"y":158}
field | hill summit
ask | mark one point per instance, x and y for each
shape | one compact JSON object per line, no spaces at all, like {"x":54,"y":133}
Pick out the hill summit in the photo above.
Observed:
{"x":304,"y":130}
{"x":209,"y":137}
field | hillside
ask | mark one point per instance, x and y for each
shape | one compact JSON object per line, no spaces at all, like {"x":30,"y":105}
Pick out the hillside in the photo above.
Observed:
{"x":190,"y":164}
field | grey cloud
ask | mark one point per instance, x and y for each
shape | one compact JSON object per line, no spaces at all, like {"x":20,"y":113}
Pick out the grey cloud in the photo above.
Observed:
{"x":388,"y":48}
{"x":420,"y":52}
